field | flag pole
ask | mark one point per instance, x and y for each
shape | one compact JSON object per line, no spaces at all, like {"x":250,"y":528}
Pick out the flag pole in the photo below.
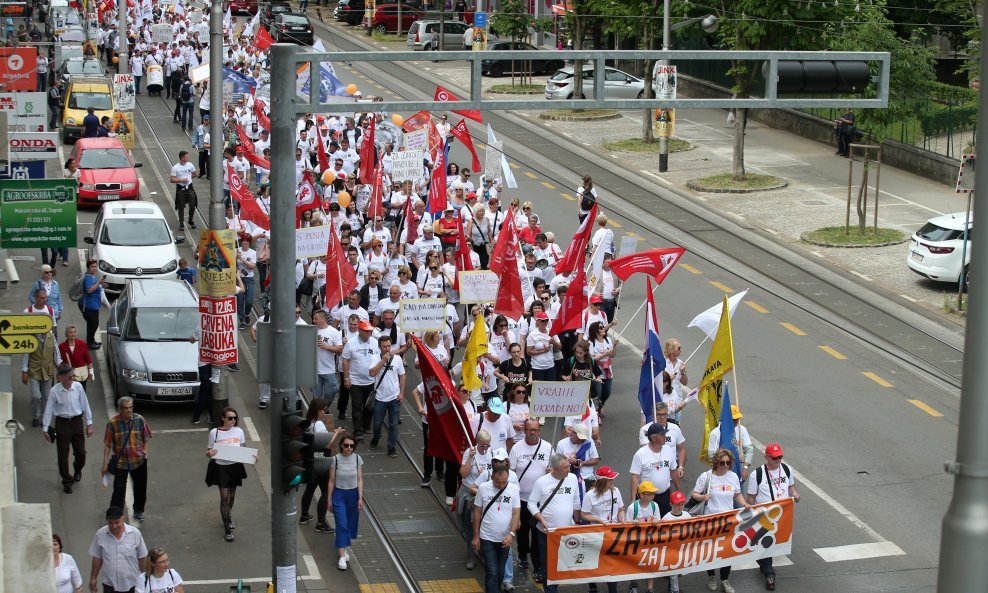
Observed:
{"x":635,"y":314}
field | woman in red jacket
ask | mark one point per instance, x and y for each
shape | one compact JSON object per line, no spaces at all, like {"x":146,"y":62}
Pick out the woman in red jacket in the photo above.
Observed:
{"x":76,"y":352}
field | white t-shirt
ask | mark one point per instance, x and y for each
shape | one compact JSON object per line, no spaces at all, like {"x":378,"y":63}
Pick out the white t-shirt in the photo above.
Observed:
{"x":501,"y":430}
{"x":497,"y":522}
{"x":387,"y":305}
{"x":539,"y":340}
{"x":390,"y":386}
{"x":771,"y":480}
{"x":326,"y":360}
{"x":655,"y":467}
{"x":593,"y":421}
{"x":722,"y":490}
{"x":566,"y":446}
{"x":605,"y":507}
{"x":166,"y":583}
{"x":342,"y":314}
{"x":519,"y":456}
{"x":183,"y":172}
{"x":481,"y":463}
{"x":638,"y":512}
{"x":362,"y":357}
{"x":518,"y":414}
{"x":234,"y":436}
{"x":559,"y":511}
{"x":670,"y":517}
{"x":674,"y":435}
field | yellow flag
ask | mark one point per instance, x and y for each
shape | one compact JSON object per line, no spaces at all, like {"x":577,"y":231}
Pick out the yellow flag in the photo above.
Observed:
{"x":476,"y":347}
{"x":720,"y":361}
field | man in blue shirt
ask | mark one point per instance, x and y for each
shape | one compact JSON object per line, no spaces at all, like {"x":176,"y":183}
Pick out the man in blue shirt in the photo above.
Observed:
{"x":90,"y":124}
{"x":90,"y":303}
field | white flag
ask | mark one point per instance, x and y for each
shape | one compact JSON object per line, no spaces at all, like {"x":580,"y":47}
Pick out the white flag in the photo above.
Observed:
{"x":253,"y":25}
{"x":228,"y":21}
{"x":596,"y":268}
{"x":710,"y":319}
{"x":509,"y":177}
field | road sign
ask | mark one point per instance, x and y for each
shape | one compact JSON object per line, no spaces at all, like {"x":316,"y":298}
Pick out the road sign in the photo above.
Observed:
{"x":38,"y":213}
{"x":480,"y":19}
{"x":22,"y":169}
{"x":965,"y":174}
{"x":18,"y":344}
{"x":17,"y":332}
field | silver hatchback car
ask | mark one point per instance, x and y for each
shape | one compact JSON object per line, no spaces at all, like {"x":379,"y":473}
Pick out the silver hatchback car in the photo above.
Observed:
{"x":424,"y":35}
{"x":150,"y":355}
{"x":617,"y":84}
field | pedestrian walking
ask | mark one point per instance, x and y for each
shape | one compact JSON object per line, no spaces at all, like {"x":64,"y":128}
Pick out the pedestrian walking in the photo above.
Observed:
{"x":91,"y":302}
{"x":246,"y":264}
{"x":160,"y":576}
{"x":772,"y":481}
{"x":187,"y":95}
{"x":38,"y":372}
{"x":90,"y":123}
{"x":655,"y":463}
{"x":119,"y":555}
{"x":678,"y":501}
{"x":643,"y":510}
{"x":69,"y":416}
{"x":42,"y":70}
{"x":742,"y":441}
{"x":225,"y":474}
{"x":329,"y":344}
{"x":51,"y":288}
{"x":358,"y":356}
{"x":75,"y":353}
{"x":39,"y":304}
{"x":529,"y":458}
{"x":182,"y":174}
{"x":554,"y":502}
{"x":346,"y":491}
{"x":68,"y":579}
{"x":126,"y":454}
{"x":200,"y":139}
{"x":54,"y":104}
{"x":320,"y":421}
{"x":720,"y":489}
{"x":496,"y":515}
{"x":389,"y":372}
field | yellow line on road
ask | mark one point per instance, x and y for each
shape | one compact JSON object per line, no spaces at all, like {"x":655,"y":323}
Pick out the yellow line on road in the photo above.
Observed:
{"x":922,"y":406}
{"x":877,"y":379}
{"x":514,"y":165}
{"x":756,"y":306}
{"x":833,"y":352}
{"x":568,"y":197}
{"x":615,"y":224}
{"x":380,"y":588}
{"x":716,"y":284}
{"x":690,"y":269}
{"x":792,"y":328}
{"x":452,"y":586}
{"x":548,"y":185}
{"x":530,"y":175}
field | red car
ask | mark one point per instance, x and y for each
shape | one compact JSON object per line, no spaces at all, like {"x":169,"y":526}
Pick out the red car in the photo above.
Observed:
{"x":243,"y":6}
{"x":386,"y":18}
{"x":106,"y":171}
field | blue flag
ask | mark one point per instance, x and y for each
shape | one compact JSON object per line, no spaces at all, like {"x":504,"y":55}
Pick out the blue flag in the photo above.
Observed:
{"x":653,"y":361}
{"x":727,"y":431}
{"x":329,"y":85}
{"x":237,"y":83}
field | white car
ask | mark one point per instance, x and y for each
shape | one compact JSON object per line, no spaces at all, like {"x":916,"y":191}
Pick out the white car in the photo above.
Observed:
{"x":132,"y":240}
{"x":935,"y":250}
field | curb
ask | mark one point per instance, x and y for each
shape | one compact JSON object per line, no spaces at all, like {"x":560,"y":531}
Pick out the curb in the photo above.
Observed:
{"x":695,"y":185}
{"x":600,"y":117}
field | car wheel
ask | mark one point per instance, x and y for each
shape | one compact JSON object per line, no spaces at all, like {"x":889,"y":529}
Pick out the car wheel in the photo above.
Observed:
{"x":641,"y":94}
{"x":967,"y":278}
{"x":381,"y":29}
{"x":496,"y":70}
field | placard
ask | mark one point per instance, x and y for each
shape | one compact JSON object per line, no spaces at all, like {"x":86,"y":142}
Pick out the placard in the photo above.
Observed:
{"x":629,"y":245}
{"x":217,"y":262}
{"x":162,"y":33}
{"x":218,"y":322}
{"x":492,"y":159}
{"x":200,"y":73}
{"x":26,"y":112}
{"x":417,"y":139}
{"x":422,"y":315}
{"x":559,"y":398}
{"x":406,"y":165}
{"x":123,"y":91}
{"x":38,"y":213}
{"x":123,"y":127}
{"x":235,"y":453}
{"x":312,"y":242}
{"x":478,"y":286}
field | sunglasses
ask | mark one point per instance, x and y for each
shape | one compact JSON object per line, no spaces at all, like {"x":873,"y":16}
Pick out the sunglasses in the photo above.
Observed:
{"x":229,"y":417}
{"x":433,"y":269}
{"x":298,"y":312}
{"x":724,"y":463}
{"x":779,"y":458}
{"x":520,"y":391}
{"x":349,"y":446}
{"x":402,"y":273}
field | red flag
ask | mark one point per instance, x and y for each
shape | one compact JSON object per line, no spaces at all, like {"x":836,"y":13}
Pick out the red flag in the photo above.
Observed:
{"x":306,"y":198}
{"x":262,"y":118}
{"x":576,"y":253}
{"x":446,"y":96}
{"x":437,"y":187}
{"x":263,"y":39}
{"x":245,"y":140}
{"x":323,"y":157}
{"x":462,"y":257}
{"x":571,"y":309}
{"x":461,"y":133}
{"x":368,"y":154}
{"x":341,"y":278}
{"x":249,"y":208}
{"x":411,"y":222}
{"x":449,"y":436}
{"x":254,"y":159}
{"x":376,"y":205}
{"x":657,"y":263}
{"x":436,"y":141}
{"x":417,"y":121}
{"x":510,"y":301}
{"x":506,"y":247}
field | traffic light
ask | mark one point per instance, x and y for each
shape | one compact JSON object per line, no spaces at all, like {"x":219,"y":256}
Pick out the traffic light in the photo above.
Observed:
{"x":293,"y":446}
{"x":815,"y":76}
{"x":316,"y":468}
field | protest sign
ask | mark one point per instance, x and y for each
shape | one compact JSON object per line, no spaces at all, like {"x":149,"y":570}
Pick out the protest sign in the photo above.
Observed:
{"x":416,"y":139}
{"x":478,"y":286}
{"x":312,"y":241}
{"x":559,"y":398}
{"x":625,"y":551}
{"x":218,"y":322}
{"x":492,"y":159}
{"x":406,"y":165}
{"x":162,"y":34}
{"x":422,"y":315}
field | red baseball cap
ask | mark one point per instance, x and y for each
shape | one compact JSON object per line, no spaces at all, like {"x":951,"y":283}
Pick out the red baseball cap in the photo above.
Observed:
{"x":677,"y":497}
{"x":595,"y":298}
{"x":542,"y":315}
{"x":774,"y":450}
{"x":606,"y":472}
{"x":366,"y":326}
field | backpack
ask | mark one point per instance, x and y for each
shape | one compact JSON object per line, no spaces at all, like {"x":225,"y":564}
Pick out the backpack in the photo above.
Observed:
{"x":760,"y":472}
{"x":78,"y":289}
{"x":587,"y":202}
{"x":186,"y":92}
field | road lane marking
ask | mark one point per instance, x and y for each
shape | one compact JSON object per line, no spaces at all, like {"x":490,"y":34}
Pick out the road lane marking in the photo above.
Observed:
{"x":909,"y":298}
{"x":690,"y":269}
{"x":530,"y":175}
{"x":568,"y":197}
{"x":923,"y":406}
{"x":716,"y":284}
{"x":860,"y":275}
{"x":877,"y":379}
{"x":756,"y":306}
{"x":859,"y":551}
{"x":251,"y":429}
{"x":833,"y":352}
{"x":792,"y":328}
{"x":615,"y":224}
{"x":514,"y":165}
{"x":548,"y":185}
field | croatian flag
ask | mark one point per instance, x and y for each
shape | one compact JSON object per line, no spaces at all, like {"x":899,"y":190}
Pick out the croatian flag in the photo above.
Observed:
{"x":728,"y":438}
{"x":653,"y":361}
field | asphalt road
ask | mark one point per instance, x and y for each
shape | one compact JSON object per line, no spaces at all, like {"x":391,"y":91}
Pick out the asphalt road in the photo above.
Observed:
{"x":867,"y":426}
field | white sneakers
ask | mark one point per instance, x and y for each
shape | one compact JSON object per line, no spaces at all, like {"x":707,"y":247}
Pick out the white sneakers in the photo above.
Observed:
{"x":726,"y":587}
{"x":712,"y":582}
{"x":342,"y":562}
{"x":449,"y":501}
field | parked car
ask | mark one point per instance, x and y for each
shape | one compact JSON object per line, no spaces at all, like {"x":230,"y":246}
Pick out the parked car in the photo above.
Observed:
{"x":81,"y":67}
{"x":81,"y":93}
{"x":617,"y":84}
{"x":107,"y":172}
{"x":293,"y":28}
{"x":499,"y":67}
{"x":350,"y":12}
{"x":386,"y":18}
{"x":132,"y":240}
{"x":935,"y":249}
{"x":270,"y":12}
{"x":424,"y":35}
{"x":243,"y":6}
{"x":150,"y":356}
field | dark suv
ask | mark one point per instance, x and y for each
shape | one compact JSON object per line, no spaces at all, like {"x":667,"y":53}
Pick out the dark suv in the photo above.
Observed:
{"x":351,"y":12}
{"x":271,"y":10}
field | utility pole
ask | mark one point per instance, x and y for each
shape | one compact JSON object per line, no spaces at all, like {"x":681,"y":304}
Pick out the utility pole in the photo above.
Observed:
{"x":964,"y":539}
{"x":283,"y":394}
{"x":666,"y":38}
{"x":123,"y":63}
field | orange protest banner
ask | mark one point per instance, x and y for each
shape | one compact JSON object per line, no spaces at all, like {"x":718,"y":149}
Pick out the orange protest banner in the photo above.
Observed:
{"x":624,"y":551}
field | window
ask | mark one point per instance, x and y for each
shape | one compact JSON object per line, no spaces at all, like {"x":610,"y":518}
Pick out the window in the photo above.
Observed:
{"x":932,"y":232}
{"x":104,"y":158}
{"x":135,"y":232}
{"x":84,"y":100}
{"x":161,"y":324}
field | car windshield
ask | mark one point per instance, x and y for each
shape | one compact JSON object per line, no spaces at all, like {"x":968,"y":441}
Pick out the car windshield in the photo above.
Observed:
{"x":295,"y":20}
{"x":561,"y":75}
{"x":83,"y":67}
{"x":104,"y":158}
{"x":161,"y":324}
{"x":933,"y":232}
{"x":135,"y":232}
{"x":84,"y":100}
{"x":280,"y":8}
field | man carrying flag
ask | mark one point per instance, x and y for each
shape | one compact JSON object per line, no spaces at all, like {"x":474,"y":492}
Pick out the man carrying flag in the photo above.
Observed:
{"x":720,"y":361}
{"x":446,"y":415}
